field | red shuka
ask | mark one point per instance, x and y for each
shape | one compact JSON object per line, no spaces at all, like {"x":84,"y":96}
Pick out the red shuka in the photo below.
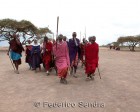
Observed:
{"x":82,"y":54}
{"x":91,"y":57}
{"x":47,"y":55}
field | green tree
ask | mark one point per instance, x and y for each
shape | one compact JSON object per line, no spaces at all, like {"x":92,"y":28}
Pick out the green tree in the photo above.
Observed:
{"x":131,"y":41}
{"x":42,"y":32}
{"x":24,"y":28}
{"x":115,"y":44}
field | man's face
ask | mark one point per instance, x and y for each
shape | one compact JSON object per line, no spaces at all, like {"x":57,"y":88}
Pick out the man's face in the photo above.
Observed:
{"x":89,"y":39}
{"x":18,"y":37}
{"x":64,"y":38}
{"x":60,"y":38}
{"x":74,"y":35}
{"x":92,"y":40}
{"x":84,"y":41}
{"x":35,"y":41}
{"x":29,"y":42}
{"x":46,"y":39}
{"x":14,"y":36}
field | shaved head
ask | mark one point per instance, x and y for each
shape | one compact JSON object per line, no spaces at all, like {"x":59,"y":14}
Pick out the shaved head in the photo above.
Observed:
{"x":74,"y":34}
{"x":46,"y":39}
{"x":92,"y":39}
{"x":60,"y":37}
{"x":64,"y":38}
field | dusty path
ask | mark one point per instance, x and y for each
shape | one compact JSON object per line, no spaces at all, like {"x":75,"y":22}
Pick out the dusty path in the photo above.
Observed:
{"x":117,"y":91}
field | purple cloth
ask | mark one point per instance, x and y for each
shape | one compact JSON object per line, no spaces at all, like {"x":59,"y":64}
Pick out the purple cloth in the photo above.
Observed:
{"x":36,"y":56}
{"x":73,"y":49}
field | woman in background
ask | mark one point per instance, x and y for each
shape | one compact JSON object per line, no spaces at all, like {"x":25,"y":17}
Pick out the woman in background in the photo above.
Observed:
{"x":36,"y":56}
{"x":28,"y":58}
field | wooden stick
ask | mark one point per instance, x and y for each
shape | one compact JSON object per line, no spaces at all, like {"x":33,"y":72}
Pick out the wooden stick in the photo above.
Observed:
{"x":12,"y":62}
{"x":57,"y":26}
{"x":99,"y":73}
{"x":57,"y":31}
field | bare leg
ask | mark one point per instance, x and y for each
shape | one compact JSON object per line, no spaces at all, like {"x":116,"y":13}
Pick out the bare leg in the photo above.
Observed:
{"x":90,"y":76}
{"x":75,"y":68}
{"x":30,"y":66}
{"x":61,"y":80}
{"x":71,"y":72}
{"x":55,"y":68}
{"x":35,"y":70}
{"x":39,"y":68}
{"x":16,"y":65}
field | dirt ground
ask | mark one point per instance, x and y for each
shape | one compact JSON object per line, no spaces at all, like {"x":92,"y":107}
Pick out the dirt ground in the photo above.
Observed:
{"x":117,"y":91}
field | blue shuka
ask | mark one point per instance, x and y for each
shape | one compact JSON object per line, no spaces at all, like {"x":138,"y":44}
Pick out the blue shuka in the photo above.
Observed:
{"x":15,"y":56}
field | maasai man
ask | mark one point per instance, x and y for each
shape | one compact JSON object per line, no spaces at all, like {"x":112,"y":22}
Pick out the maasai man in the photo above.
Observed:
{"x":73,"y":52}
{"x":91,"y":57}
{"x":54,"y":42}
{"x":47,"y":54}
{"x":15,"y":50}
{"x":28,"y":58}
{"x":53,"y":60}
{"x":62,"y":61}
{"x":36,"y":56}
{"x":65,"y":39}
{"x":82,"y":54}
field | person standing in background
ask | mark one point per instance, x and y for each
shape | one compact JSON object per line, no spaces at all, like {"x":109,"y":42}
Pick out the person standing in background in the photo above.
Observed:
{"x":28,"y":58}
{"x":36,"y":56}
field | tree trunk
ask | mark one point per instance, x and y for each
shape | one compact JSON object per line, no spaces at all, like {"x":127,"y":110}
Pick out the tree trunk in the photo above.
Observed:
{"x":133,"y":48}
{"x":129,"y":47}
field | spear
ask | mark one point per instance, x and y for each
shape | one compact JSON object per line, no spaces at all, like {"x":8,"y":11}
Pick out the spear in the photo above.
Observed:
{"x":80,"y":36}
{"x":53,"y":36}
{"x":57,"y":26}
{"x":10,"y":59}
{"x":85,"y":32}
{"x":57,"y":30}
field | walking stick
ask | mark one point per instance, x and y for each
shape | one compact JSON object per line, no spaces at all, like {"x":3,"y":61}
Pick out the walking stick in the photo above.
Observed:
{"x":11,"y":62}
{"x":99,"y":73}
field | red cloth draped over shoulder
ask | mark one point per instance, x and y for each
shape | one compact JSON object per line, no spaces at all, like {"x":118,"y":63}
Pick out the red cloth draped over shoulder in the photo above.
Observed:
{"x":91,"y":57}
{"x":47,"y":55}
{"x":29,"y":47}
{"x":82,"y":47}
{"x":16,"y":46}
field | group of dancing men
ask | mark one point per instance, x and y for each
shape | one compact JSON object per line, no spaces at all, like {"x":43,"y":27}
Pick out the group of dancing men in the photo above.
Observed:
{"x":62,"y":55}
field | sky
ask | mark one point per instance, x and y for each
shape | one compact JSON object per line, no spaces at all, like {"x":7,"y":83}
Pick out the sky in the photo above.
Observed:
{"x":105,"y":19}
